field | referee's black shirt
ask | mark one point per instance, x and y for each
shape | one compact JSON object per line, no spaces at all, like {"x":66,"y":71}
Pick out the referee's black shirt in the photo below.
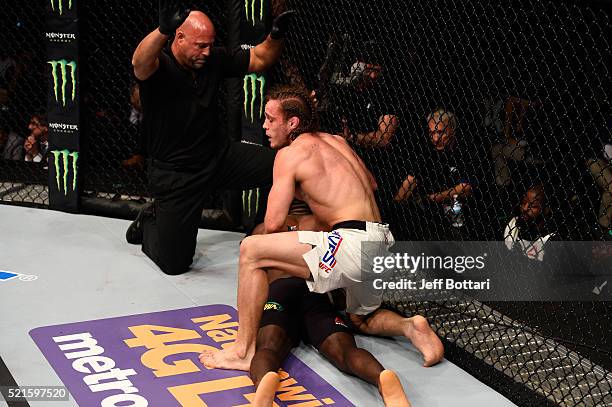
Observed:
{"x":180,"y":114}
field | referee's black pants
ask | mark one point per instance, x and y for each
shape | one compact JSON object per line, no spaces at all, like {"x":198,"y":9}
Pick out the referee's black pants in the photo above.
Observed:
{"x":169,"y":238}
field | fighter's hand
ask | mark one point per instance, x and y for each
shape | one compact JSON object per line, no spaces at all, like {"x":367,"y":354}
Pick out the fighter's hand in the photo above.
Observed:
{"x":171,"y":16}
{"x":281,"y":24}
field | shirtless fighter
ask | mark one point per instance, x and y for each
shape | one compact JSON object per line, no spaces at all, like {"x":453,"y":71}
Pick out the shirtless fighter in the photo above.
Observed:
{"x":322,"y":170}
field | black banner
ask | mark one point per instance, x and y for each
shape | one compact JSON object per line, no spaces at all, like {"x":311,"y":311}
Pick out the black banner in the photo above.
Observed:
{"x":63,"y":104}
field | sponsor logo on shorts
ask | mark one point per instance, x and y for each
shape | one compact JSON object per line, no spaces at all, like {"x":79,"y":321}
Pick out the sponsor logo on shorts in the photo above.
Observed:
{"x":273,"y":306}
{"x":328,"y":261}
{"x":339,"y":321}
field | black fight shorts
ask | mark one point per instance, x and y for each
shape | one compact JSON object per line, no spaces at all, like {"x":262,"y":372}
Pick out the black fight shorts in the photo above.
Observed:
{"x":305,"y":316}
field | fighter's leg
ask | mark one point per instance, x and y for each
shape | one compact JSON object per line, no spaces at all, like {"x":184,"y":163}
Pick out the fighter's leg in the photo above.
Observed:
{"x":279,"y":251}
{"x":416,"y":329}
{"x":273,"y":346}
{"x":341,"y":350}
{"x":279,"y":328}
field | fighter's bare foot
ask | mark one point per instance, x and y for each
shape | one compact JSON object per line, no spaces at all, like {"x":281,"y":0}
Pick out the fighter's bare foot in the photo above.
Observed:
{"x":418,"y":331}
{"x":228,"y":358}
{"x":264,"y":397}
{"x":391,"y":390}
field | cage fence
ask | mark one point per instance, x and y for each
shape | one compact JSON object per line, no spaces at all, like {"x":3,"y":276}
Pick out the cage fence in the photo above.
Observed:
{"x":22,"y":100}
{"x":480,"y":121}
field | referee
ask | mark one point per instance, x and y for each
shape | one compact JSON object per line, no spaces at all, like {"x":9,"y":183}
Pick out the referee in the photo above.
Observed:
{"x":179,"y":71}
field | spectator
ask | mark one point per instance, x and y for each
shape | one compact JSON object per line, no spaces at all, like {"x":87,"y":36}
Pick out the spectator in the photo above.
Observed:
{"x":442,"y":178}
{"x":7,"y":76}
{"x":11,"y":144}
{"x":514,"y":147}
{"x":37,"y":143}
{"x":135,"y":119}
{"x":39,"y":130}
{"x":32,"y":150}
{"x":601,"y":171}
{"x":530,"y":228}
{"x":367,"y":118}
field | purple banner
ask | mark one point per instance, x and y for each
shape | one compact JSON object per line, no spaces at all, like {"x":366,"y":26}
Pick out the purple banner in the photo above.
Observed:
{"x":152,"y":359}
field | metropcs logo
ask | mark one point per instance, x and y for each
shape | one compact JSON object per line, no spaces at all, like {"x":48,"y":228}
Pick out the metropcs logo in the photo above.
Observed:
{"x":249,"y":5}
{"x":60,"y":5}
{"x":60,"y":74}
{"x":250,"y":94}
{"x":64,"y":168}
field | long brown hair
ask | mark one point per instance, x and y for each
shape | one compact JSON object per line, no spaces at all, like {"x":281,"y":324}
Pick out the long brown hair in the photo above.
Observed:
{"x":296,"y":101}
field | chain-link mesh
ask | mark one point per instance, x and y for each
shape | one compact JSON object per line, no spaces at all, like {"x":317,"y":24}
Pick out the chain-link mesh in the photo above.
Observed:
{"x":22,"y":96}
{"x":481,"y":121}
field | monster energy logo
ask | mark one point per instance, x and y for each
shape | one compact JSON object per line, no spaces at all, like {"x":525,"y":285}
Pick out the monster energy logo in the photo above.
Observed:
{"x":62,"y":64}
{"x":60,"y":4}
{"x":249,"y":9}
{"x":251,"y":82}
{"x":65,"y":155}
{"x":247,"y":201}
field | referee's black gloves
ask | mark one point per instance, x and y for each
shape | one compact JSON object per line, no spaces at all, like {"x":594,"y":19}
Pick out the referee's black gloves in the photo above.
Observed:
{"x":280,"y":25}
{"x":171,"y":16}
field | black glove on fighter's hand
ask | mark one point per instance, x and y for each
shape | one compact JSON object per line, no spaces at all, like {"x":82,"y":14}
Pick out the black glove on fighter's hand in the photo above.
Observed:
{"x":280,"y":25}
{"x":171,"y":16}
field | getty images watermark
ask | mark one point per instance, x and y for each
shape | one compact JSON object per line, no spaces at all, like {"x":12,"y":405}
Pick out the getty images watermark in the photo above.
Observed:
{"x":412,"y":264}
{"x":493,"y":271}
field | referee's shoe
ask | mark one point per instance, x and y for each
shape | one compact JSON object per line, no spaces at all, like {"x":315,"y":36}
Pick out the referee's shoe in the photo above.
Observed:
{"x":134,"y":233}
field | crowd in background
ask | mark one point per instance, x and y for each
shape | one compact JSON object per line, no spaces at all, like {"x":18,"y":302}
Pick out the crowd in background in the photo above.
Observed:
{"x":439,"y":176}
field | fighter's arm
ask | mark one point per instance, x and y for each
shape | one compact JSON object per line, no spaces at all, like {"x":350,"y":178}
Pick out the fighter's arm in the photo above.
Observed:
{"x":282,"y":192}
{"x":264,"y":55}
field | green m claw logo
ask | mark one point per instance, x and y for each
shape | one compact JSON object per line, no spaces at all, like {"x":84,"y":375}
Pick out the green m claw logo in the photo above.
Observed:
{"x":64,"y":168}
{"x":249,"y":9}
{"x":247,"y":200}
{"x":251,"y":82}
{"x":60,"y":79}
{"x":60,"y":5}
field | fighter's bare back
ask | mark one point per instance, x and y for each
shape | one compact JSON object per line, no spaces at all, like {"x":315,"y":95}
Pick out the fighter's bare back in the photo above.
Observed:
{"x":322,"y":170}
